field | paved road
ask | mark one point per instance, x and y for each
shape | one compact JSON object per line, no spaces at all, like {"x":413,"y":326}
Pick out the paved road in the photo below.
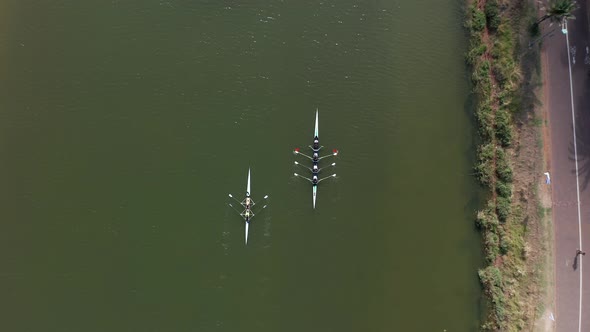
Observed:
{"x":570,"y":184}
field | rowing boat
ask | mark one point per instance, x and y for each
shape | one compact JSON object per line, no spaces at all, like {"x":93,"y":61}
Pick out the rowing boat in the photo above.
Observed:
{"x":315,"y":159}
{"x":316,"y":149}
{"x":247,"y":203}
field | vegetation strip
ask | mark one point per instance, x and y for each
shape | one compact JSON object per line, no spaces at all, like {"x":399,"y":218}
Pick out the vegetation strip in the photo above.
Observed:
{"x":513,"y":225}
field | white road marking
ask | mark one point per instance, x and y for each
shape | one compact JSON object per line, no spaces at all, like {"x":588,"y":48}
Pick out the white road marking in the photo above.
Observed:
{"x":577,"y":179}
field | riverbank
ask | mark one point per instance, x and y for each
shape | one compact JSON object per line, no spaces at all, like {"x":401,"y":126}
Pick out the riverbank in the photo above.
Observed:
{"x":514,"y":224}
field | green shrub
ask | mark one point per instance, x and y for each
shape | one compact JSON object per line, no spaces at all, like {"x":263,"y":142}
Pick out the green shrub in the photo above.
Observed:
{"x":503,"y":208}
{"x":476,"y":50}
{"x":492,"y":281}
{"x":503,"y":127}
{"x":487,"y":221}
{"x":490,"y":277}
{"x":504,"y":43}
{"x":492,"y":246}
{"x":504,"y":173}
{"x":481,"y":72}
{"x":505,"y":243}
{"x":505,"y":98}
{"x":478,"y":20}
{"x":507,"y":74}
{"x":503,"y":169}
{"x":498,"y":72}
{"x":485,"y":119}
{"x":481,"y":78}
{"x":503,"y":189}
{"x":484,"y":88}
{"x":492,"y":13}
{"x":484,"y":170}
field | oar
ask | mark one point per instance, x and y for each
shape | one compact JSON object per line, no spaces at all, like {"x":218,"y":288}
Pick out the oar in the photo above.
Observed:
{"x":265,"y":197}
{"x":333,"y":164}
{"x":230,"y":195}
{"x":296,"y":163}
{"x":301,"y":176}
{"x":262,"y":208}
{"x":335,"y":153}
{"x":303,"y":154}
{"x":234,"y":209}
{"x":327,"y":177}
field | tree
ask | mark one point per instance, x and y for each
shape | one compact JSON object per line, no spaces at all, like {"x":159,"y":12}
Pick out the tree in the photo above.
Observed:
{"x":559,"y":10}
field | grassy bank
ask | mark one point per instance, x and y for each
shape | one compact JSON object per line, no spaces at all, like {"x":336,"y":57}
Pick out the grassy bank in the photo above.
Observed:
{"x":508,"y":161}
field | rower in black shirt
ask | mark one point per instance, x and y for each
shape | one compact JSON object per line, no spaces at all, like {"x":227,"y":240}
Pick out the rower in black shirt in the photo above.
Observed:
{"x":316,"y":144}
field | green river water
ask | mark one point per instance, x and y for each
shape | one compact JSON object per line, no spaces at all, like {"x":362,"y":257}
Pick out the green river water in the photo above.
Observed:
{"x":124,"y":124}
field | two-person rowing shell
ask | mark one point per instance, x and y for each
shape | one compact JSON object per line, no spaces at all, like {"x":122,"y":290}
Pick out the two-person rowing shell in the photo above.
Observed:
{"x":248,"y":204}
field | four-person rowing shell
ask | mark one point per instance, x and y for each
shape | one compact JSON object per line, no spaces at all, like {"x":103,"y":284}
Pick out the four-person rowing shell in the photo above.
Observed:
{"x":315,"y":159}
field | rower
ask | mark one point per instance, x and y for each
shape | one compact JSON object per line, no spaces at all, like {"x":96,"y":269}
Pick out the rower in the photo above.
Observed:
{"x":247,"y":214}
{"x":248,"y":202}
{"x":315,"y":169}
{"x":316,"y":157}
{"x":316,"y":143}
{"x":314,"y":180}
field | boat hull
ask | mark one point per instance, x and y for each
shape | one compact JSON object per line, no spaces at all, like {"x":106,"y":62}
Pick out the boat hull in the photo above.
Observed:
{"x":316,"y":132}
{"x":247,"y":195}
{"x":248,"y":185}
{"x":247,"y":226}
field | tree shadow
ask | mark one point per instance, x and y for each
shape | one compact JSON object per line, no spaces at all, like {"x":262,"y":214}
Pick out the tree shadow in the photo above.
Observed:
{"x":530,"y":63}
{"x":582,"y":107}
